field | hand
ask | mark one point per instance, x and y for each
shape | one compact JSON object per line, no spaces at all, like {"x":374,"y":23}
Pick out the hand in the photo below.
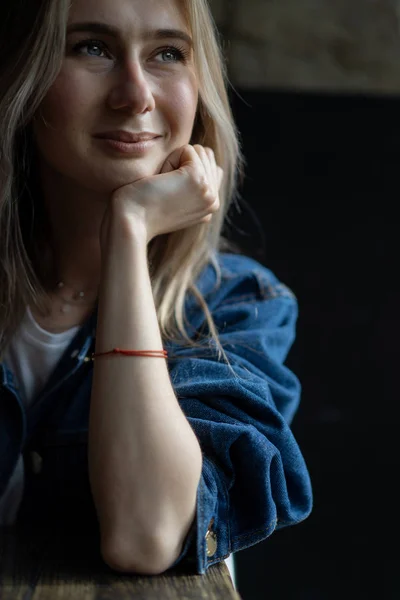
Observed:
{"x":185,"y":193}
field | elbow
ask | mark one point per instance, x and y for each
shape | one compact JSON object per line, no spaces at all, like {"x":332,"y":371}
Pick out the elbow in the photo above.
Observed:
{"x":149,"y":557}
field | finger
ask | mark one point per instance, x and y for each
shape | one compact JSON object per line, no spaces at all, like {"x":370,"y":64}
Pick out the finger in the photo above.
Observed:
{"x":173,"y":161}
{"x":217,"y":171}
{"x":197,"y":163}
{"x":178,"y":158}
{"x":214,"y":171}
{"x":217,"y":174}
{"x":204,"y":158}
{"x":201,"y":151}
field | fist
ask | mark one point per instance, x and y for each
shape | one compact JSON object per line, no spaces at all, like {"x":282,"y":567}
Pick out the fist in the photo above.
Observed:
{"x":185,"y":193}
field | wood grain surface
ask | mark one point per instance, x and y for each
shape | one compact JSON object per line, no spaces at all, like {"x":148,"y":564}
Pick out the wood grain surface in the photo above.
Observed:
{"x":50,"y":567}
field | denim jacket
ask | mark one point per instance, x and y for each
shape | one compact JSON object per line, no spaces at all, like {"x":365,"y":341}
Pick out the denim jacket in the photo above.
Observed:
{"x":254,"y":479}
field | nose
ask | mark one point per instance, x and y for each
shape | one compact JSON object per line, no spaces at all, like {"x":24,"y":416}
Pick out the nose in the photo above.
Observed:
{"x":132,"y":91}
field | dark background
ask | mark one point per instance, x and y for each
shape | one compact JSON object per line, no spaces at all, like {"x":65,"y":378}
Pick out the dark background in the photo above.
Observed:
{"x":320,"y":209}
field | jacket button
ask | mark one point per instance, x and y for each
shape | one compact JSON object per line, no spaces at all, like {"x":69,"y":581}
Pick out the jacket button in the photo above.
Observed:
{"x":211,"y":541}
{"x":36,"y":462}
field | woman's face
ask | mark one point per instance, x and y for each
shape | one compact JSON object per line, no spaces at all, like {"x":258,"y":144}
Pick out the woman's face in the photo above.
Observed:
{"x":128,"y":67}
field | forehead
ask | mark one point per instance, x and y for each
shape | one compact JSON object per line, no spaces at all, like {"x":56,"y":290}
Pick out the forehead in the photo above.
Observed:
{"x":132,"y":15}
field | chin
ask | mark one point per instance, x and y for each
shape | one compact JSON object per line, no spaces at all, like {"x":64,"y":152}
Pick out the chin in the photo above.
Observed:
{"x":107,"y":180}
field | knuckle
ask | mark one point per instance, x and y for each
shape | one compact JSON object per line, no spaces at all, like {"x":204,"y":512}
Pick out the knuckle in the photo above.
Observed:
{"x":191,"y":150}
{"x":204,"y":187}
{"x":216,"y":205}
{"x":202,"y":181}
{"x":209,"y":198}
{"x":212,"y":205}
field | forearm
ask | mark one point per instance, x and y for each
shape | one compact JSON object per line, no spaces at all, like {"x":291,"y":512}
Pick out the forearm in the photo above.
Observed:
{"x":144,"y":459}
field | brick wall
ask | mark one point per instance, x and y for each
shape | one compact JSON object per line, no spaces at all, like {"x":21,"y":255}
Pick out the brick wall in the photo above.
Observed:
{"x":322,"y":45}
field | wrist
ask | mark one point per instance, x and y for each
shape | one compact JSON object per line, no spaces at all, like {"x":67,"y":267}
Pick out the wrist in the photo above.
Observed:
{"x":123,"y":252}
{"x":122,"y":232}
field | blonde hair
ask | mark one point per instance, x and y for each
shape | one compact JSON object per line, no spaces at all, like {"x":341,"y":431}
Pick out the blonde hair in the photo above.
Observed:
{"x":34,"y":49}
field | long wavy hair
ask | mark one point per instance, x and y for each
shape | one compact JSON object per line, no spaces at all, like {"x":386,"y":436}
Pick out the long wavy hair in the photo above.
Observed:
{"x":32,"y":43}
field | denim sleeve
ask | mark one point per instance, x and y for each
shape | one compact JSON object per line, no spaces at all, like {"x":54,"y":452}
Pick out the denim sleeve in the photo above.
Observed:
{"x":254,"y":478}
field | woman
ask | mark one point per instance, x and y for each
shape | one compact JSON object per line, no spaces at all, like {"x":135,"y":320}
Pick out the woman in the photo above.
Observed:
{"x":119,"y":159}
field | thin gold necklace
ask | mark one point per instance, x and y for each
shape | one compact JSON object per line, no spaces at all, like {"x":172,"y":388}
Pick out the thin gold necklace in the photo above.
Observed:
{"x":77,"y":299}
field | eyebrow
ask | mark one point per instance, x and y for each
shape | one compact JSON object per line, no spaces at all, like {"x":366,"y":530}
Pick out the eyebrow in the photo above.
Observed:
{"x":158,"y":34}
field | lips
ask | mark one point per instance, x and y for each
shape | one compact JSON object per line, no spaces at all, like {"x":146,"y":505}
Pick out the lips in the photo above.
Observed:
{"x":127,"y":136}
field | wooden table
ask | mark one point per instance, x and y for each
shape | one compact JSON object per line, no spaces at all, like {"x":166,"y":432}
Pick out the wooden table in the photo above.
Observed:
{"x":47,"y":567}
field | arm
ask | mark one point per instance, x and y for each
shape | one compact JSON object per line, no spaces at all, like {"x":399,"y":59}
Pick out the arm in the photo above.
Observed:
{"x":144,"y":459}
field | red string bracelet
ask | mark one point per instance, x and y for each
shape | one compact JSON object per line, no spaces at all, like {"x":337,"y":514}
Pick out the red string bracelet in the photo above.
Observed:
{"x":151,"y":353}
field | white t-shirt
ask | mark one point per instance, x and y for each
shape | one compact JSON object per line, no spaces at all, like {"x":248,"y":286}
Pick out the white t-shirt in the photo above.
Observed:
{"x":31,"y":356}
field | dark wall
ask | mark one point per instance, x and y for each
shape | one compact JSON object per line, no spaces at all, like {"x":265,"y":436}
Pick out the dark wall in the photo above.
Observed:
{"x":322,"y":180}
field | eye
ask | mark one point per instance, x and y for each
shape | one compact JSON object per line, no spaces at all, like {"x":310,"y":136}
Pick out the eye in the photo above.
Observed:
{"x":96,"y":46}
{"x":172,"y":54}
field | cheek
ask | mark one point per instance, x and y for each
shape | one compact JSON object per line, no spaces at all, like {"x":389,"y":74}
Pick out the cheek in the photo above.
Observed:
{"x":182,"y":102}
{"x":65,"y":102}
{"x":60,"y":122}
